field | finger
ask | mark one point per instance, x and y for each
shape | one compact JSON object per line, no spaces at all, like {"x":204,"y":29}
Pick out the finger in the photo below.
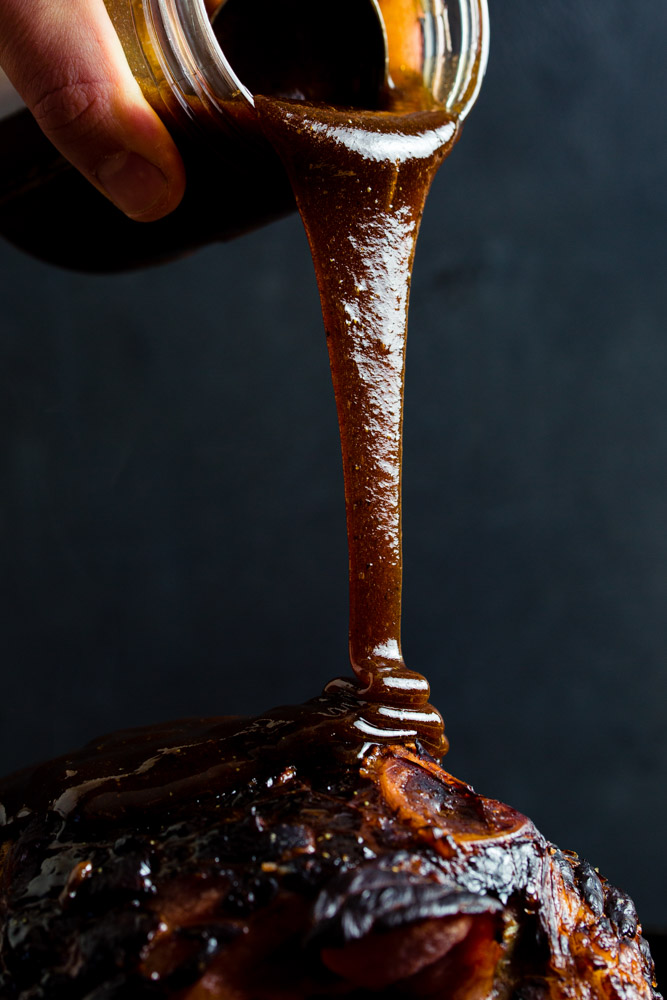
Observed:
{"x":65,"y":60}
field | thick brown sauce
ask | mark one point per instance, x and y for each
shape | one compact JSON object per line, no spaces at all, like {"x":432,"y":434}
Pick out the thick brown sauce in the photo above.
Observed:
{"x":360,"y":179}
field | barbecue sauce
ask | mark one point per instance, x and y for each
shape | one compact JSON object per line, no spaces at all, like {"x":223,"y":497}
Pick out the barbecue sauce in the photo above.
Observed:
{"x":360,"y":179}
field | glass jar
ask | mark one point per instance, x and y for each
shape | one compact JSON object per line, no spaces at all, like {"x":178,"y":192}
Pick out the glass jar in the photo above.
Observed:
{"x":199,"y":62}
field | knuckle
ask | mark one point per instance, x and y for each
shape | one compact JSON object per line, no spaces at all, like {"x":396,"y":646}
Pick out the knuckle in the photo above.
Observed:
{"x":70,"y":110}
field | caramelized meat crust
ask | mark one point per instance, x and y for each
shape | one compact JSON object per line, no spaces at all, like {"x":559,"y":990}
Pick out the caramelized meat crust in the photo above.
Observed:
{"x":122,"y":877}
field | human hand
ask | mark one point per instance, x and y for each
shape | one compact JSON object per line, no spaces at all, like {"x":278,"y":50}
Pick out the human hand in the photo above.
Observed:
{"x":65,"y":60}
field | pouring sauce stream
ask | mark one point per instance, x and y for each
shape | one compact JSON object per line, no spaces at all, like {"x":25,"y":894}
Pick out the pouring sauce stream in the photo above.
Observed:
{"x":360,"y":179}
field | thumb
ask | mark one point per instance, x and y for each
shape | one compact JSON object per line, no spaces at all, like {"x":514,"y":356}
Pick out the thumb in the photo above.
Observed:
{"x":65,"y":60}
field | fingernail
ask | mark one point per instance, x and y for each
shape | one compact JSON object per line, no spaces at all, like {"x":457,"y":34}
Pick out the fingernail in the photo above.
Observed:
{"x":132,"y":183}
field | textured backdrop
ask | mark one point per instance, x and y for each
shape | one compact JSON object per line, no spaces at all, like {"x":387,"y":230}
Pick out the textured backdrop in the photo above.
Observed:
{"x":172,"y":537}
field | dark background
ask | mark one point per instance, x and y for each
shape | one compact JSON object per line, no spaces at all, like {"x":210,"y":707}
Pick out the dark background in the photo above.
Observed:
{"x":172,"y":534}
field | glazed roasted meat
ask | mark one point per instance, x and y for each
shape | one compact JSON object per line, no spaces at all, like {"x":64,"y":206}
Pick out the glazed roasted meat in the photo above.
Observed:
{"x":255,"y":860}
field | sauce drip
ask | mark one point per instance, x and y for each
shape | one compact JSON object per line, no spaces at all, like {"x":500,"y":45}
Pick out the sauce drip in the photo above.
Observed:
{"x":360,"y":180}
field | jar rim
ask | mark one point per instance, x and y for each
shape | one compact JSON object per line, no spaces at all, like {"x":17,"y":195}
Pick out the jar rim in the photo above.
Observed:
{"x":191,"y":59}
{"x":195,"y":65}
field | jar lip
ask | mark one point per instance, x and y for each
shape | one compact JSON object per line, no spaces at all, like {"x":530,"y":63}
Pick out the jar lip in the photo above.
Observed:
{"x":474,"y":59}
{"x":191,"y":59}
{"x":215,"y":52}
{"x":195,"y":66}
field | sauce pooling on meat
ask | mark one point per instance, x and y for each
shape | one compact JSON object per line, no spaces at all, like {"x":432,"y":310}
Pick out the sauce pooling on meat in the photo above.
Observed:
{"x":360,"y":179}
